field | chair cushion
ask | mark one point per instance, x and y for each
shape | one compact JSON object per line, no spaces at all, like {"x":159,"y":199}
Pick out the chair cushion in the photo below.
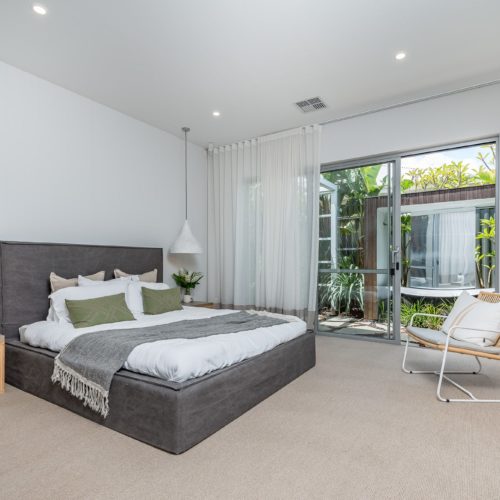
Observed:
{"x":469,"y":313}
{"x":439,"y":338}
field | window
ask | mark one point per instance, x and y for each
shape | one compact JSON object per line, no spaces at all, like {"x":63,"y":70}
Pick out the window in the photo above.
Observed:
{"x":448,"y":218}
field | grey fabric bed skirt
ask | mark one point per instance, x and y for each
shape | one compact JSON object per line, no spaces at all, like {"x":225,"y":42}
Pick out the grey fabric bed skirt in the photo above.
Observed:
{"x":170,"y":416}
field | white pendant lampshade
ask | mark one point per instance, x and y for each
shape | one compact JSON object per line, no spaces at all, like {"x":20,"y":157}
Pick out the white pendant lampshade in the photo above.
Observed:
{"x":186,"y":242}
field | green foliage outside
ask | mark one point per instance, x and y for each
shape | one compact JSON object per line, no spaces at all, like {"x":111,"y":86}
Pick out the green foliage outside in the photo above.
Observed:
{"x":405,"y":248}
{"x":353,"y":187}
{"x":452,"y":175}
{"x":408,"y":309}
{"x":343,"y":292}
{"x":485,"y":253}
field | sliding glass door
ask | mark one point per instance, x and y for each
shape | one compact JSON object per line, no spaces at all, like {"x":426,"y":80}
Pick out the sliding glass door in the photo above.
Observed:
{"x":403,"y":235}
{"x":448,"y":213}
{"x":359,"y":257}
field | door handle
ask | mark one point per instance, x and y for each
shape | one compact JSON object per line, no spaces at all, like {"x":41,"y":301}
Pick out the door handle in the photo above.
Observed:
{"x":395,"y":260}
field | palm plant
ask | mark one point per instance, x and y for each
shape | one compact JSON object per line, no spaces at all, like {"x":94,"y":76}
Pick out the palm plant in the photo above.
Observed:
{"x":344,"y":292}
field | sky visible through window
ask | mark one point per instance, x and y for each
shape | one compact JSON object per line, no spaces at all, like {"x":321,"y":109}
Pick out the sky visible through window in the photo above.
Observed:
{"x":468,"y":155}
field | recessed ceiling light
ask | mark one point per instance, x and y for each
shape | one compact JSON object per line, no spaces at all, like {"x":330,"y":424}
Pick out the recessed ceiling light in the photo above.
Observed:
{"x":216,"y":113}
{"x":40,"y":9}
{"x":400,"y":56}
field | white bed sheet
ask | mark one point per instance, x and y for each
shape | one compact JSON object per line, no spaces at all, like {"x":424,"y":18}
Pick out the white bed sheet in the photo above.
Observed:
{"x":176,"y":359}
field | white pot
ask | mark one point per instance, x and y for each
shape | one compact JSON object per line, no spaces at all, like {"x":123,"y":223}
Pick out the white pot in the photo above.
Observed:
{"x":187,"y":299}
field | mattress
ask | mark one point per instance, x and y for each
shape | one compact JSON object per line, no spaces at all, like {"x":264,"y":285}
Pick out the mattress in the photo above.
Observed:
{"x":175,"y":360}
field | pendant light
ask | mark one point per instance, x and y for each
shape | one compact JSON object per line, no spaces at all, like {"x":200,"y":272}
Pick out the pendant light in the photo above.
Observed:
{"x":186,"y":242}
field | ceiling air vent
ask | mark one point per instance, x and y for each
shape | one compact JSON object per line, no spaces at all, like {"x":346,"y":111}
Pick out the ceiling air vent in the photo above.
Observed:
{"x":312,"y":104}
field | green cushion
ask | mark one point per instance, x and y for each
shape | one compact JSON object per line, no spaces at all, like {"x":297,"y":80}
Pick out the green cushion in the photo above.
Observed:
{"x":91,"y":312}
{"x":161,"y":301}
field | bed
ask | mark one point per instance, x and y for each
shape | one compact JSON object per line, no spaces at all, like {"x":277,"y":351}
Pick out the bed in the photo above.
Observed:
{"x":172,"y":416}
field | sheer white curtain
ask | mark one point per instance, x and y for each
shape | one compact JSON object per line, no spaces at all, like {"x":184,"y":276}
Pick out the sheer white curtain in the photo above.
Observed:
{"x":457,"y":241}
{"x":263,"y":223}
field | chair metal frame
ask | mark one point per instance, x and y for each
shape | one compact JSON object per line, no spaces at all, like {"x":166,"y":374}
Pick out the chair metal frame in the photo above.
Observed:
{"x":442,"y":374}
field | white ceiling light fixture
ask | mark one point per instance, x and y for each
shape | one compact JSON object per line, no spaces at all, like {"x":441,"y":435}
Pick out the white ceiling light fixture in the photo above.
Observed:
{"x":216,"y":114}
{"x":39,"y":9}
{"x":400,"y":56}
{"x":186,"y":242}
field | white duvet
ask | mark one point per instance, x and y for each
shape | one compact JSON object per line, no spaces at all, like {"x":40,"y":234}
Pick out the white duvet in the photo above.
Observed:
{"x":176,"y":359}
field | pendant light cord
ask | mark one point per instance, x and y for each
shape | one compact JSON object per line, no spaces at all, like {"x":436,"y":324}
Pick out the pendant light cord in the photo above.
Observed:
{"x":186,"y":130}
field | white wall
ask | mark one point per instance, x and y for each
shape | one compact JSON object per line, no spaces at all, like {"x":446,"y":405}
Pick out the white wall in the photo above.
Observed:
{"x":468,"y":115}
{"x":74,"y":171}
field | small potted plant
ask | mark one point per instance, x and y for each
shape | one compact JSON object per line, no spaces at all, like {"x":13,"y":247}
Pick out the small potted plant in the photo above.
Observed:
{"x":187,"y":281}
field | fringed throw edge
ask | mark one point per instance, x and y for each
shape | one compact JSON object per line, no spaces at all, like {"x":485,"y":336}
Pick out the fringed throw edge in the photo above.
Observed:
{"x":93,"y":395}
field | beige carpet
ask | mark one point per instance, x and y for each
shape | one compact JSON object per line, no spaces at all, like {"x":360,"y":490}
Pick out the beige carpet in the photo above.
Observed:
{"x":353,"y":427}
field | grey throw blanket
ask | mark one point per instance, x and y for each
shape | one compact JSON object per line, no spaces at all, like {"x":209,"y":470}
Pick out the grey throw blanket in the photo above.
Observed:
{"x":86,"y":366}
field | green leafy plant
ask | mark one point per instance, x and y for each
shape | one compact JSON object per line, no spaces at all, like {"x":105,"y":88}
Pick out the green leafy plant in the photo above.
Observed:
{"x":405,"y":248}
{"x":488,"y":159}
{"x":485,"y":253}
{"x":344,"y":293}
{"x":408,"y":309}
{"x":187,"y":280}
{"x":354,"y":186}
{"x":450,"y":175}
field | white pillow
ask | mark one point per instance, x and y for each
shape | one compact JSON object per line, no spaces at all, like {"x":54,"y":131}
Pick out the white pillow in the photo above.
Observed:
{"x":148,"y":277}
{"x":83,"y":281}
{"x":134,"y":295}
{"x":469,"y":312}
{"x":58,"y":282}
{"x":57,"y":299}
{"x":52,"y":315}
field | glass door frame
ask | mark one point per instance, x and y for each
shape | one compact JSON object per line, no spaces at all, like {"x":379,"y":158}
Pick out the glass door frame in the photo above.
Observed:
{"x":394,"y":258}
{"x":395,"y":205}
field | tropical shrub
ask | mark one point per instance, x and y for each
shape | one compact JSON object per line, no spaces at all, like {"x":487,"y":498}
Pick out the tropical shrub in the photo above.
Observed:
{"x":405,"y":248}
{"x":344,"y":293}
{"x":485,"y":253}
{"x":353,"y":187}
{"x":408,"y":309}
{"x":448,"y":176}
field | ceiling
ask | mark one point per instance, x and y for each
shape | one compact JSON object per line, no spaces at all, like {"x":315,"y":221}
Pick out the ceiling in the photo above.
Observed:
{"x":171,"y":63}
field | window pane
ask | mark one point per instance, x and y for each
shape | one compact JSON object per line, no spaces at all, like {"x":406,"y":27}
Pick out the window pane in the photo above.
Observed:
{"x":325,"y":225}
{"x":325,"y":204}
{"x":325,"y":250}
{"x":448,"y":219}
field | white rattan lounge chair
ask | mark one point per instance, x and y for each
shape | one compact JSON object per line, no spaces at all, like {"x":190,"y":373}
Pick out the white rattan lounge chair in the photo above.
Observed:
{"x":446,"y":343}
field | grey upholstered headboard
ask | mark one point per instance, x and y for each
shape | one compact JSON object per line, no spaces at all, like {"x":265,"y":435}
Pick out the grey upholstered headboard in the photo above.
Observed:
{"x":25,"y":269}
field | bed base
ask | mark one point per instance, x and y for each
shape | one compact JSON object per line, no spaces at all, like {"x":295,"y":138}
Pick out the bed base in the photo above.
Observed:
{"x":172,"y":417}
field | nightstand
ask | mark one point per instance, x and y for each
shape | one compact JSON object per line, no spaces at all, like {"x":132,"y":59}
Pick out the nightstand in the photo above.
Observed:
{"x":2,"y":364}
{"x":197,"y":303}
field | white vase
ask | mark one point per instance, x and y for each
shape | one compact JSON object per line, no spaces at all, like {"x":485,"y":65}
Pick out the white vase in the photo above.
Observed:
{"x":187,"y":299}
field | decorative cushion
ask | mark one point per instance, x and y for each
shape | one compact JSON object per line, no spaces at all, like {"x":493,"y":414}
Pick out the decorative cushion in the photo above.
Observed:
{"x":149,"y":277}
{"x":58,"y":282}
{"x":469,"y":312}
{"x":161,"y":301}
{"x":98,"y":311}
{"x":134,"y":295}
{"x":57,"y":299}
